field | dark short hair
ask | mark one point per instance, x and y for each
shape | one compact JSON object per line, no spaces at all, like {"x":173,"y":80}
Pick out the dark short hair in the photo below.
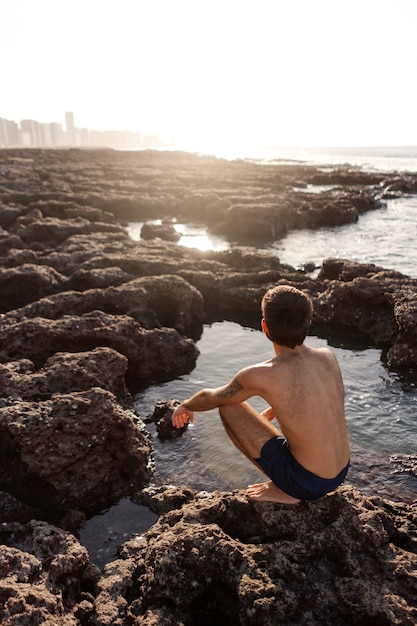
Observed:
{"x":287,"y":312}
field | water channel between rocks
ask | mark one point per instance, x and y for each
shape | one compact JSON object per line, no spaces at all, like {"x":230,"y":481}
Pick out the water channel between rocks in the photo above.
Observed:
{"x":380,"y":409}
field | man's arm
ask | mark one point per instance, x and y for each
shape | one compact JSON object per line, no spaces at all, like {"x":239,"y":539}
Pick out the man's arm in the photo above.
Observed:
{"x":237,"y":390}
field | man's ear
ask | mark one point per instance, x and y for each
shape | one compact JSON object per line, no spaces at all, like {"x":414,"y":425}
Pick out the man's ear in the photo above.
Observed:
{"x":265,"y":328}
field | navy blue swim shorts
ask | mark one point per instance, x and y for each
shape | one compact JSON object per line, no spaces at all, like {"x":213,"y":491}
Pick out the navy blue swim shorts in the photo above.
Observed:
{"x":286,"y":473}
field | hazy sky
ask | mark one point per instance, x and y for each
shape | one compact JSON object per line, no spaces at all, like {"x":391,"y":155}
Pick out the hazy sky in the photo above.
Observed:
{"x":216,"y":72}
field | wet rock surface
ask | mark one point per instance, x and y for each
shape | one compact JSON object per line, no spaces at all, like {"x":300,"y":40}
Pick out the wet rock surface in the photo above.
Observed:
{"x":88,"y":316}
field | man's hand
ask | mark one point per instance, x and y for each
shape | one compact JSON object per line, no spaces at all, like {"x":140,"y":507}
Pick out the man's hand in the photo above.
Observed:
{"x":181,"y":416}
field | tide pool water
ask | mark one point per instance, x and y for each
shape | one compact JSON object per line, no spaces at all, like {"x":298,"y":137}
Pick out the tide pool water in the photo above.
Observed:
{"x":380,"y":411}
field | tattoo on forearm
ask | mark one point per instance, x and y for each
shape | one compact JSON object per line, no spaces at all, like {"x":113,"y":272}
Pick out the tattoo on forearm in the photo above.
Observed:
{"x":232,"y":389}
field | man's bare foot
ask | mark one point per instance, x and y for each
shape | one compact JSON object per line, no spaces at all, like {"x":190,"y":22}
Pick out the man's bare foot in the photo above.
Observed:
{"x":268,"y":492}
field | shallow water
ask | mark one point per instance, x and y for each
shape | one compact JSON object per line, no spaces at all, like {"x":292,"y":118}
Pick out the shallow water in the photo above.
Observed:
{"x":385,"y":237}
{"x":380,"y":411}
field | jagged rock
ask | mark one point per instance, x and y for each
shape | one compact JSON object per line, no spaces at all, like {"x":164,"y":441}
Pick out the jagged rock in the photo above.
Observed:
{"x":51,"y":231}
{"x":153,"y":301}
{"x":221,"y":558}
{"x":27,"y":283}
{"x":162,"y":415}
{"x":67,"y":452}
{"x":165,"y":231}
{"x":65,"y":209}
{"x":79,"y":450}
{"x":45,"y":576}
{"x":255,"y":223}
{"x":380,"y":304}
{"x":82,"y":280}
{"x":152,"y":354}
{"x":8,"y":242}
{"x":65,"y":372}
{"x":13,"y":510}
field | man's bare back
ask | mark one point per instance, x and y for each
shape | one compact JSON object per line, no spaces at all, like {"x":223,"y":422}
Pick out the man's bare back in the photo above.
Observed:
{"x":304,"y":389}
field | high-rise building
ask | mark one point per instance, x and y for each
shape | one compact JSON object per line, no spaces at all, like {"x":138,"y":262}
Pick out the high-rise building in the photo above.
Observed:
{"x":3,"y":134}
{"x":70,"y":128}
{"x":31,"y":133}
{"x":13,"y":134}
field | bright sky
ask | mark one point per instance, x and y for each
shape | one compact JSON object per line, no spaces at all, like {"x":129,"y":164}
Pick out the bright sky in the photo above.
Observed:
{"x":216,"y":72}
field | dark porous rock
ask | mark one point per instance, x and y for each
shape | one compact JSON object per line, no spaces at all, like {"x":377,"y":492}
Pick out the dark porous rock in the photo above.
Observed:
{"x":9,"y":242}
{"x":68,"y":209}
{"x":82,"y":280}
{"x":76,"y":451}
{"x":152,"y":355}
{"x":27,"y":283}
{"x":52,"y":231}
{"x":162,"y":415}
{"x":13,"y":510}
{"x":45,"y":576}
{"x":154,"y":302}
{"x":76,"y":252}
{"x":396,"y":186}
{"x":164,"y":498}
{"x":380,"y":304}
{"x":255,"y":223}
{"x":87,"y":312}
{"x":221,"y":558}
{"x":65,"y":372}
{"x":165,"y":231}
{"x":8,"y":215}
{"x":271,"y":216}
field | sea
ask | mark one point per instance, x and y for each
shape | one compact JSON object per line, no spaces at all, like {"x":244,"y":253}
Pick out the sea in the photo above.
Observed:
{"x":381,"y":407}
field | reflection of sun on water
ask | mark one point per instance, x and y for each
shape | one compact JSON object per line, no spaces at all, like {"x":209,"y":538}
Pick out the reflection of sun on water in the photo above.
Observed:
{"x":192,"y":236}
{"x":196,"y":237}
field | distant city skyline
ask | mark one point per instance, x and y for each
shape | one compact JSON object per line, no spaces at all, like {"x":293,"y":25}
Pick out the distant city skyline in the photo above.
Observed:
{"x":30,"y":133}
{"x":216,"y":74}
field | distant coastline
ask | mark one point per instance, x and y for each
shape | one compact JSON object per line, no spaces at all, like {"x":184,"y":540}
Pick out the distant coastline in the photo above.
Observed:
{"x":33,"y":134}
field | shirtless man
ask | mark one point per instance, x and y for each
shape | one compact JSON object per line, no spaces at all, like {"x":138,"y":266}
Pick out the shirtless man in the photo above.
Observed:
{"x":304,"y":390}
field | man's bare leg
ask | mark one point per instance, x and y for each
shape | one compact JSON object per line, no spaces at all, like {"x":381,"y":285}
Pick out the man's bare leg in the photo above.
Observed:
{"x":249,"y":430}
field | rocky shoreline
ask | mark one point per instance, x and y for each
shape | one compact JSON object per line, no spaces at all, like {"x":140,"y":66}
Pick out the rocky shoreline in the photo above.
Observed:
{"x":88,"y":316}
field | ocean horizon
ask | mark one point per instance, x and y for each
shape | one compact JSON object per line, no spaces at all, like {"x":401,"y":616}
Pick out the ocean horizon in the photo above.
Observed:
{"x":379,"y":158}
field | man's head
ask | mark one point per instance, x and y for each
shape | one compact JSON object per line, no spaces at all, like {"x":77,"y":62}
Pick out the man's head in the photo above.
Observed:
{"x":287,"y":312}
